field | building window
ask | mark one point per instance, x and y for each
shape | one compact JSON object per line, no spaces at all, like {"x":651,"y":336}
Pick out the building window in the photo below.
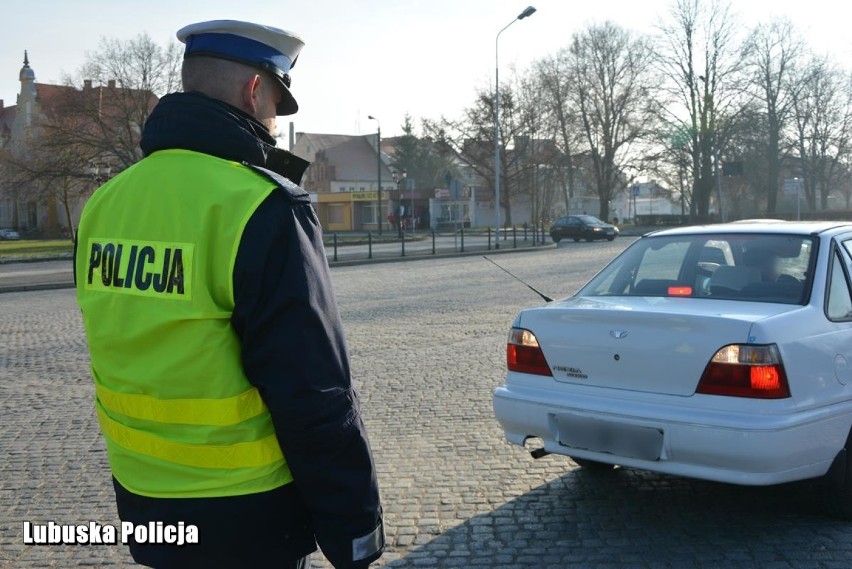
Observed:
{"x":368,"y":213}
{"x":335,"y":214}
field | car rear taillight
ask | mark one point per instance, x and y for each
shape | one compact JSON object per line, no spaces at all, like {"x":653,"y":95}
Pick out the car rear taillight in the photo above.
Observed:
{"x":743,"y":370}
{"x":523,"y":354}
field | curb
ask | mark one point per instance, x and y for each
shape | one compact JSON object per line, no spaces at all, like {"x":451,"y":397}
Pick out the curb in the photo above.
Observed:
{"x":14,"y":261}
{"x":35,"y":287}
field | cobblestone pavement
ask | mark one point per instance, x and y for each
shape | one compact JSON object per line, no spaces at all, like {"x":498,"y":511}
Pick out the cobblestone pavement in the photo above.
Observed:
{"x":427,"y":343}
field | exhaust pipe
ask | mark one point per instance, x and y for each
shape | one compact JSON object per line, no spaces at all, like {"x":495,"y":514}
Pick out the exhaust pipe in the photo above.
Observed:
{"x":539,"y":453}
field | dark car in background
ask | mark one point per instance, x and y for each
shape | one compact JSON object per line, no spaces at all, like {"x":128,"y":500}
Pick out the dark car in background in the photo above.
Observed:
{"x":578,"y":227}
{"x":9,"y":235}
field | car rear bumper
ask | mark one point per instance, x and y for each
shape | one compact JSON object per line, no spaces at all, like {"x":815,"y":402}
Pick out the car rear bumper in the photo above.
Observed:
{"x":737,"y":448}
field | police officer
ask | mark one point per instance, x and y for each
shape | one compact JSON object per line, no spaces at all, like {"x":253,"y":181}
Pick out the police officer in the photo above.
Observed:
{"x":222,"y":376}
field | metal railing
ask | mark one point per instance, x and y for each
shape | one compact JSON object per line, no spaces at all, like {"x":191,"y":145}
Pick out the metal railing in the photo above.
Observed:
{"x":430,"y":242}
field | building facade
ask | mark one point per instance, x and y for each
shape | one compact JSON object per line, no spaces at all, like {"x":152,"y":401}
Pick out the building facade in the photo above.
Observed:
{"x":343,"y":181}
{"x":58,"y":143}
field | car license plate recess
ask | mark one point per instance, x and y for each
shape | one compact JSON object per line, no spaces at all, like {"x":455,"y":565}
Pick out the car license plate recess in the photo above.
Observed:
{"x":619,"y":439}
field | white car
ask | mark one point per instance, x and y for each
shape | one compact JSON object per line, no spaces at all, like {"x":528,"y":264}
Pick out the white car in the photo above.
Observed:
{"x":719,"y":352}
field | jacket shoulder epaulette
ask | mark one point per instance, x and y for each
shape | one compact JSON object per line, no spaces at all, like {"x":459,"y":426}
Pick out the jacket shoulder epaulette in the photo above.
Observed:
{"x":294,"y":192}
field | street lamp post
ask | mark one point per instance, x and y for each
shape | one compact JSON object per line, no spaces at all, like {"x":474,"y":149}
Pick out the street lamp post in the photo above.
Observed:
{"x":410,"y":195}
{"x":527,"y":12}
{"x":398,"y":179}
{"x":379,"y":213}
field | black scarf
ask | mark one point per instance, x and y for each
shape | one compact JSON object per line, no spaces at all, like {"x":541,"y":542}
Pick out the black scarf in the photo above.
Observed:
{"x":193,"y":121}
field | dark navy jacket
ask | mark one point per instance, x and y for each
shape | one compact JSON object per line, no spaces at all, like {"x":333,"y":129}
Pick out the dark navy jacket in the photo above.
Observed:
{"x":294,"y":352}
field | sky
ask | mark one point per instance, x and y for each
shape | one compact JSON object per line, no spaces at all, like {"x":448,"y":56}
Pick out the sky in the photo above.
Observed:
{"x":425,"y":58}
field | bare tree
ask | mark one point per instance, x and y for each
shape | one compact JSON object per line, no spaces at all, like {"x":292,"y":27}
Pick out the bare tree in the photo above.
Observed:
{"x":138,"y":64}
{"x":472,"y":138}
{"x":560,"y":115}
{"x":116,"y":90}
{"x":844,"y":183}
{"x":51,"y":169}
{"x":92,"y":122}
{"x":420,"y":158}
{"x":773,"y":54}
{"x":746,"y":147}
{"x":696,"y":55}
{"x":822,"y":127}
{"x":540,"y":162}
{"x":672,"y":167}
{"x":608,"y":68}
{"x":12,"y":184}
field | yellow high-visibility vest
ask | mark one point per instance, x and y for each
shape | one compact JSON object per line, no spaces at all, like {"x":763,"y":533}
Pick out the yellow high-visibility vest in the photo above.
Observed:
{"x":155,"y":256}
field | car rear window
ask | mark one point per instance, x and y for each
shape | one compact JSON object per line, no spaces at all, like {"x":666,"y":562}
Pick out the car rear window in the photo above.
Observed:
{"x":590,"y":220}
{"x":749,"y":267}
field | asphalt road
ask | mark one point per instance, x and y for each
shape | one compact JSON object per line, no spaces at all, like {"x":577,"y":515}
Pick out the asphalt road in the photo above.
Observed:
{"x":427,"y":345}
{"x":44,"y":275}
{"x":51,"y":274}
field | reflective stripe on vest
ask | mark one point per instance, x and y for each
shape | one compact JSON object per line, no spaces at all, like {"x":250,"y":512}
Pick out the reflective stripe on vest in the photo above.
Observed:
{"x":210,"y":412}
{"x":240,"y":455}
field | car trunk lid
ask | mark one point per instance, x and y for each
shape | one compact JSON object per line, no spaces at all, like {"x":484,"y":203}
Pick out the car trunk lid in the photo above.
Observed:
{"x":648,"y":344}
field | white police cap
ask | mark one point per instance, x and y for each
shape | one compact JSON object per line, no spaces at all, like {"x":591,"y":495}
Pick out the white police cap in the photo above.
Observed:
{"x":272,"y":49}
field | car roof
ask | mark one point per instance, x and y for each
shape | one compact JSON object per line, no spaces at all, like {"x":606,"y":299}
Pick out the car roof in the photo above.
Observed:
{"x":761,"y":226}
